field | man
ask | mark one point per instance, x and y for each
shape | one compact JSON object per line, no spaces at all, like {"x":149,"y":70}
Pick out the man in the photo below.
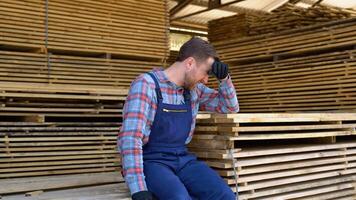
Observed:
{"x":159,"y":120}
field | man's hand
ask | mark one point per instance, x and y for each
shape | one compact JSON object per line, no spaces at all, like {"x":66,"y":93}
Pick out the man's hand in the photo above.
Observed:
{"x":219,"y":69}
{"x":143,"y":195}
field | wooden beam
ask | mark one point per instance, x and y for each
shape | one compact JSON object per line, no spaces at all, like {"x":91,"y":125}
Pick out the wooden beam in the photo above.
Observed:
{"x":206,"y":10}
{"x":235,"y":9}
{"x":180,"y":6}
{"x":316,"y":3}
{"x":214,"y":3}
{"x":294,"y":1}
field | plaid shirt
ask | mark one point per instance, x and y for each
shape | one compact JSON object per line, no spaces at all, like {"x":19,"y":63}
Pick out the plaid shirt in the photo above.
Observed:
{"x":140,"y":108}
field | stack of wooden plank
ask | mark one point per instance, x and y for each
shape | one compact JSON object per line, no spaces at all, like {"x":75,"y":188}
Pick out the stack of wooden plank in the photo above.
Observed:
{"x":89,"y":186}
{"x":290,"y":16}
{"x":61,"y":101}
{"x":65,"y":70}
{"x":172,"y":58}
{"x":275,"y":156}
{"x":225,"y":28}
{"x":310,"y":39}
{"x":52,"y":148}
{"x":88,"y":27}
{"x":72,"y":70}
{"x":110,"y":27}
{"x":23,"y":24}
{"x":321,"y":82}
{"x":286,"y":17}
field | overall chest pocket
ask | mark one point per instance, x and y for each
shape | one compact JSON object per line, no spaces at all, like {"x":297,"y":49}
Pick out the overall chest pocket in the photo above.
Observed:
{"x":175,"y":110}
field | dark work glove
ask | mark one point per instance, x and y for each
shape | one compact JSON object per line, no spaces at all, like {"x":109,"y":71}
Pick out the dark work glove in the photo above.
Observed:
{"x":219,"y":69}
{"x":143,"y":195}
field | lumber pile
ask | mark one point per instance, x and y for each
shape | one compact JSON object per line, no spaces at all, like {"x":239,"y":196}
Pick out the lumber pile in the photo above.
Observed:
{"x":172,"y":57}
{"x":226,"y":28}
{"x":281,"y":156}
{"x":290,"y":16}
{"x":310,"y":39}
{"x":52,"y":148}
{"x":60,"y":101}
{"x":89,"y":186}
{"x":71,"y":70}
{"x":323,"y":82}
{"x":65,"y":70}
{"x":87,"y":27}
{"x":283,"y":18}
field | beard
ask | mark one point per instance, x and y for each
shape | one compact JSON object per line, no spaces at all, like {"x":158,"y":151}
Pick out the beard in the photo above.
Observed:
{"x":189,"y":82}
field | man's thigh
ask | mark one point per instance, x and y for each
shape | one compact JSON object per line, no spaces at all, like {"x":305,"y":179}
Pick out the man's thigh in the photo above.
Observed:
{"x":163,"y":183}
{"x":202,"y":182}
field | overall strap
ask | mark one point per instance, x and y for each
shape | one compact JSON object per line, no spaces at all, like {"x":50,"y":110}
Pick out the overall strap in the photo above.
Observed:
{"x":158,"y":89}
{"x":186,"y":95}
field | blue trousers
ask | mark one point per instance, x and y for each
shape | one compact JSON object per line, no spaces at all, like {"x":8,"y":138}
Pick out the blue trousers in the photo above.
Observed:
{"x":183,"y":177}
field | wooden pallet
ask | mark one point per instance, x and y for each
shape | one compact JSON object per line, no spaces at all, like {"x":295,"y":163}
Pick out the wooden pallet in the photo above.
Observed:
{"x":309,"y":39}
{"x":90,"y":27}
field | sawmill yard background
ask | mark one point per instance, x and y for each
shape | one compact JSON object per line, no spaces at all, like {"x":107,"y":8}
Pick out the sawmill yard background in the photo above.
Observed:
{"x":66,"y":67}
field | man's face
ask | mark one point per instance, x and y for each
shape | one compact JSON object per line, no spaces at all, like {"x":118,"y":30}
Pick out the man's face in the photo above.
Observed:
{"x":198,"y":72}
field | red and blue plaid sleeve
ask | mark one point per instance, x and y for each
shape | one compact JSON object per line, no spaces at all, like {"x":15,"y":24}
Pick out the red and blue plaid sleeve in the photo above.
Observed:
{"x":137,"y":118}
{"x":222,"y":101}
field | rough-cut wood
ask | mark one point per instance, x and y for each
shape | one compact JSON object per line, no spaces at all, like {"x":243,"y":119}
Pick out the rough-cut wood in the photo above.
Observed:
{"x":52,"y":148}
{"x":59,"y":100}
{"x":93,"y":186}
{"x":324,"y":82}
{"x":309,"y":39}
{"x":172,"y":58}
{"x":285,"y":17}
{"x":44,"y":183}
{"x":290,"y":169}
{"x":89,"y":26}
{"x":72,"y":70}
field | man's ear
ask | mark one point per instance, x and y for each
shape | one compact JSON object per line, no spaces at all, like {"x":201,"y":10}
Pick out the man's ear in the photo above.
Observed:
{"x":189,"y":62}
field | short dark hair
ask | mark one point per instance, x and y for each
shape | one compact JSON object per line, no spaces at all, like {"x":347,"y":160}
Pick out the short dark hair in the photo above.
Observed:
{"x":196,"y":48}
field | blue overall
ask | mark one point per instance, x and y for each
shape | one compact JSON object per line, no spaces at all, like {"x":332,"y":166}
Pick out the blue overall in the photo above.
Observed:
{"x":172,"y":173}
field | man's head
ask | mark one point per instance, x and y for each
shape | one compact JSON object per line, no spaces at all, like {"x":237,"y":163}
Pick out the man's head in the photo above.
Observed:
{"x":197,"y":57}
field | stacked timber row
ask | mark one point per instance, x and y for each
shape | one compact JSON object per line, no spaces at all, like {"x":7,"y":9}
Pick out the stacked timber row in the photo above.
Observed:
{"x":310,"y":83}
{"x":89,"y":186}
{"x":172,"y":57}
{"x":65,"y":70}
{"x":281,"y":156}
{"x":87,"y":27}
{"x":306,"y":69}
{"x":71,"y":70}
{"x":51,"y":148}
{"x":310,"y":39}
{"x":286,"y":17}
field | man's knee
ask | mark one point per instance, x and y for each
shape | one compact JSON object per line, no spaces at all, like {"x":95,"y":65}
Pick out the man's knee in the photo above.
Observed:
{"x":222,"y":193}
{"x":180,"y":197}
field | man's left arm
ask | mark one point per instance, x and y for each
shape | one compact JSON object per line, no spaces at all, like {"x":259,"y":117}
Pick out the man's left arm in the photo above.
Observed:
{"x":223,"y":100}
